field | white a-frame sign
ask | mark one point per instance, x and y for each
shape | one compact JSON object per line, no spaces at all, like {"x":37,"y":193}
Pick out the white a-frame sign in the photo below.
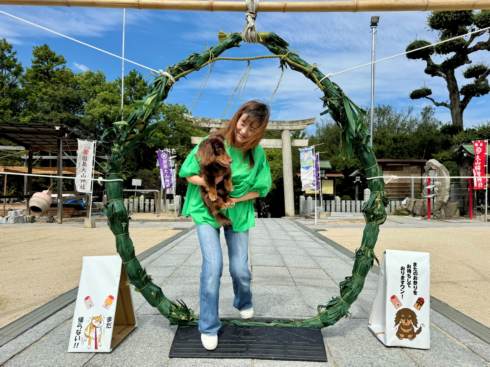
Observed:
{"x":104,"y":313}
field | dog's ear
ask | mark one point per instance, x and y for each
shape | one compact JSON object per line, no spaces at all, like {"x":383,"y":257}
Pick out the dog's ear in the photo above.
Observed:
{"x":206,"y":152}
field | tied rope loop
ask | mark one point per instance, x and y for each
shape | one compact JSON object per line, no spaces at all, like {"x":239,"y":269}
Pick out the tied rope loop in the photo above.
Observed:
{"x":249,"y":34}
{"x":167,"y":74}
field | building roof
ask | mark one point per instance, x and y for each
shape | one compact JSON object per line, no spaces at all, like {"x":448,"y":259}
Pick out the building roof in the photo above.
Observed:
{"x":39,"y":137}
{"x":325,"y":164}
{"x":468,"y":148}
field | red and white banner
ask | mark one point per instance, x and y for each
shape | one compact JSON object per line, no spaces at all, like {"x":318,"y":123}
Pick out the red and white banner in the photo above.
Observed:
{"x":479,"y":164}
{"x":85,"y":161}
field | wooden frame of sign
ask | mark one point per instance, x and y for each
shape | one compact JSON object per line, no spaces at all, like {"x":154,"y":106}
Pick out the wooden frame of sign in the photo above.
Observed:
{"x":124,"y":321}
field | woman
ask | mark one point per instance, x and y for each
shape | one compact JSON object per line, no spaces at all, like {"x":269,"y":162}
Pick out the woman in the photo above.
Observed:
{"x":251,"y":178}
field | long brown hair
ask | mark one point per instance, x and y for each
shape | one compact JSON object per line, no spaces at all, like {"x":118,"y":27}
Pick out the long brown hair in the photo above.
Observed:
{"x":258,"y":114}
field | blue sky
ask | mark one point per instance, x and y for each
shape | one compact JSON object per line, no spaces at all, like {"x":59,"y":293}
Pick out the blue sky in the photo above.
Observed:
{"x":333,"y":41}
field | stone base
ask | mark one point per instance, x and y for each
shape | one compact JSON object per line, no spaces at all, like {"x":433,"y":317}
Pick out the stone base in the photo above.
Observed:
{"x":89,"y":222}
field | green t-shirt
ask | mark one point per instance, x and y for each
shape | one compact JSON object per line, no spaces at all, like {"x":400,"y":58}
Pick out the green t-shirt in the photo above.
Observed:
{"x":245,"y":179}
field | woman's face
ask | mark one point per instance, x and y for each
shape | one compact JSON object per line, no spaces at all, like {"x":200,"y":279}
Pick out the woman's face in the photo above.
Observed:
{"x":244,"y":129}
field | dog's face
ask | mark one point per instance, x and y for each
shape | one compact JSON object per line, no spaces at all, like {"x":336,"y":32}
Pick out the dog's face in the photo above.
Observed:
{"x":406,"y":318}
{"x":212,"y":150}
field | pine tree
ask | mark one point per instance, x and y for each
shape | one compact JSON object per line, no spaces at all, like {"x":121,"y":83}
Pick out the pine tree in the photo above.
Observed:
{"x":11,"y":97}
{"x":451,"y":24}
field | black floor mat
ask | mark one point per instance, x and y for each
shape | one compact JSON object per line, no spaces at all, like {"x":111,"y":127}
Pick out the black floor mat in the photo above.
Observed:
{"x":290,"y":344}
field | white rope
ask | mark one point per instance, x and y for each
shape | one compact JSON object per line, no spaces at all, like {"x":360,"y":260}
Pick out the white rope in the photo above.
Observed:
{"x":394,"y":177}
{"x":167,"y":74}
{"x":329,"y":75}
{"x":99,"y":179}
{"x":249,"y":34}
{"x":277,"y":87}
{"x":123,"y":53}
{"x":203,"y":86}
{"x":239,"y":88}
{"x":77,"y":41}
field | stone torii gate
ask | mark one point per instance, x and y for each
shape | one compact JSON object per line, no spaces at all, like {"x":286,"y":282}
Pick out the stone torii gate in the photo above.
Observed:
{"x":284,"y":143}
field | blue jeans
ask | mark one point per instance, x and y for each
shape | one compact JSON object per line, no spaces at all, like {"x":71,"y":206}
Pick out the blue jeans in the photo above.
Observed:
{"x":212,"y":268}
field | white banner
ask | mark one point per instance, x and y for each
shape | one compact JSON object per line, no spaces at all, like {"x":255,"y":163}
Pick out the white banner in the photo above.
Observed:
{"x":307,"y":162}
{"x":85,"y":161}
{"x":401,"y":308}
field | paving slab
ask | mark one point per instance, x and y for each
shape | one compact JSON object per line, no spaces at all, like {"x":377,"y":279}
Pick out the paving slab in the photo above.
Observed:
{"x":292,"y":271}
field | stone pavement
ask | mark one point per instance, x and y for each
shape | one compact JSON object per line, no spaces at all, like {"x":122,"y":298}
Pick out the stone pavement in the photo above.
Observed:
{"x":293,"y":272}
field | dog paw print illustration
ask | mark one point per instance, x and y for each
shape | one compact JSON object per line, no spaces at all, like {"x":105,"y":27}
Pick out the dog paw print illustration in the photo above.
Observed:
{"x":406,"y":321}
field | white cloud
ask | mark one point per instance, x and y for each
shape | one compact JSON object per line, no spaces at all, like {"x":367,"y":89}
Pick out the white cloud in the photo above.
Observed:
{"x":81,"y":67}
{"x":81,"y":22}
{"x":333,"y":41}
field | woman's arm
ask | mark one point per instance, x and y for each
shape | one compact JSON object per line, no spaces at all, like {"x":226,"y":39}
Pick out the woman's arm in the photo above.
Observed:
{"x":250,"y":196}
{"x":232,"y":201}
{"x":196,"y":180}
{"x":199,"y":181}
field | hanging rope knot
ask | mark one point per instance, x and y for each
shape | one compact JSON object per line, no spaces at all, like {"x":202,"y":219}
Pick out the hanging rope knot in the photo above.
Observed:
{"x":249,"y":34}
{"x":284,"y":56}
{"x":167,"y":74}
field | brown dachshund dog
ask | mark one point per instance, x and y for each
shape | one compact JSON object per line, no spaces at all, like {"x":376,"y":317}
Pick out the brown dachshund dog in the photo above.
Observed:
{"x":215,"y":162}
{"x":406,"y":321}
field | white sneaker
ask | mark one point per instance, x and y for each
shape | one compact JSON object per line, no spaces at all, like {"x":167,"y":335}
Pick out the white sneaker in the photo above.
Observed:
{"x":247,"y":314}
{"x":209,"y":342}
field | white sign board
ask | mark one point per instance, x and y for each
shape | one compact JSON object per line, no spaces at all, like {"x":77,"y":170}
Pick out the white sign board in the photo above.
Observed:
{"x":85,"y":162}
{"x":136,"y":182}
{"x":401,"y":308}
{"x":104,"y":312}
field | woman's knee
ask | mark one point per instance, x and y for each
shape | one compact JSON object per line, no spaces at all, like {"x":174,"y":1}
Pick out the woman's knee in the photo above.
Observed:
{"x":240,"y":273}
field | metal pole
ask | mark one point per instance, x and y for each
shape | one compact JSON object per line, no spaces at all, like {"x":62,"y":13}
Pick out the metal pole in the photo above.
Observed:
{"x":374,"y":24}
{"x":4,"y":194}
{"x":412,"y":188}
{"x":60,"y":180}
{"x":428,"y":198}
{"x":123,"y":54}
{"x":92,"y":187}
{"x":316,"y":210}
{"x":321,"y":193}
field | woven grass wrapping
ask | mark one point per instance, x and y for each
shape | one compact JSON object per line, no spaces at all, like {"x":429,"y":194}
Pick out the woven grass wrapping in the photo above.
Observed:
{"x":127,"y":135}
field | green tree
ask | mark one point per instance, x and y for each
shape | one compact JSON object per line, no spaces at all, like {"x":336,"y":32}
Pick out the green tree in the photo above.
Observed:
{"x":10,"y":88}
{"x":52,"y":95}
{"x":457,"y":52}
{"x":102,"y":99}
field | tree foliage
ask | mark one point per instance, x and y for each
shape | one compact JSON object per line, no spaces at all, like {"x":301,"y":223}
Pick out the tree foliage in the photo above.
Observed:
{"x":10,"y":89}
{"x":451,"y":24}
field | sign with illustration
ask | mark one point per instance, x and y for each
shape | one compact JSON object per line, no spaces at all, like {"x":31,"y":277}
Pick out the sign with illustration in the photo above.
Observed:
{"x":103,"y":304}
{"x":401,"y":310}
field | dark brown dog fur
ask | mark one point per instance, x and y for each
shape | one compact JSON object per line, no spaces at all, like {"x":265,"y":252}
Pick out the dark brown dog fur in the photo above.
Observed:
{"x":215,"y":162}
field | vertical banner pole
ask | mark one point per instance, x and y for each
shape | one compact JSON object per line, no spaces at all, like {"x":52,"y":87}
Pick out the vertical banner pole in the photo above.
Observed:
{"x":470,"y":203}
{"x":92,"y":185}
{"x":317,"y":158}
{"x":428,"y":199}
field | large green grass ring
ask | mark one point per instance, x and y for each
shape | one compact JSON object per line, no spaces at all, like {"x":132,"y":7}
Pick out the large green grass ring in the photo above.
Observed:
{"x":355,"y":140}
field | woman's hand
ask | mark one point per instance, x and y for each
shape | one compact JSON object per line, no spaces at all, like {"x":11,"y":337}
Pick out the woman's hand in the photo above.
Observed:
{"x":230,"y":203}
